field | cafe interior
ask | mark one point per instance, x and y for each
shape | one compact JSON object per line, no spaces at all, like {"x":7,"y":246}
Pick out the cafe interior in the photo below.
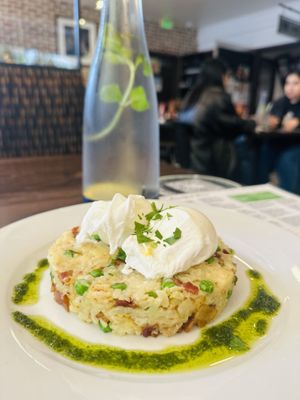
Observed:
{"x":49,"y":54}
{"x":149,"y":199}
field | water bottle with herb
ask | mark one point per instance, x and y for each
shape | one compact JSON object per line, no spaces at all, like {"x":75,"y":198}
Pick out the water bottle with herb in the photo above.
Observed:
{"x":120,"y":130}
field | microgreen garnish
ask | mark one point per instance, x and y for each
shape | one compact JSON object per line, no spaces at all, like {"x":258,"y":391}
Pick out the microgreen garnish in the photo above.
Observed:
{"x":121,"y":255}
{"x":142,"y":231}
{"x":176,"y":236}
{"x":158,"y":235}
{"x":96,"y":237}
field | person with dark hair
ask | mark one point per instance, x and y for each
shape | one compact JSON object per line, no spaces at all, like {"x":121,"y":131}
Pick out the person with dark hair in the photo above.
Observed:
{"x":285,"y":112}
{"x":208,"y":107}
{"x":284,"y":159}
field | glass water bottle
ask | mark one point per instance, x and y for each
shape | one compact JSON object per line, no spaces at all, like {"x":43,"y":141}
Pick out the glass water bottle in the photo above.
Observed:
{"x":120,"y":128}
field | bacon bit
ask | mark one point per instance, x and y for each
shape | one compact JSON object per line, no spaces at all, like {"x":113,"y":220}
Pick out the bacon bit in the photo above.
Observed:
{"x":177,"y":281}
{"x":191,"y":288}
{"x":101,"y":316}
{"x":188,"y":286}
{"x":61,"y":299}
{"x":65,"y":277}
{"x":225,"y":251}
{"x":187,"y":326}
{"x":125,"y":303}
{"x":150,"y":330}
{"x":75,"y":231}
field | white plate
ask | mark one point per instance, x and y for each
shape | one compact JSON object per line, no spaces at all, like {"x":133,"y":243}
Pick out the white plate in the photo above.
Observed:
{"x":28,"y":370}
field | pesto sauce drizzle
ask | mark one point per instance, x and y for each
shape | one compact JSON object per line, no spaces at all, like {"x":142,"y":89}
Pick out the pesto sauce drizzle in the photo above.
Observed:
{"x":26,"y":292}
{"x":230,"y":338}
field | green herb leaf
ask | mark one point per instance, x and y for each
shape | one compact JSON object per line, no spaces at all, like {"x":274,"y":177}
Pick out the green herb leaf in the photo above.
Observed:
{"x":152,"y":294}
{"x":95,"y":273}
{"x":125,"y":52}
{"x":229,"y":294}
{"x":121,"y":255}
{"x":119,"y":285}
{"x":43,"y":263}
{"x":141,"y":238}
{"x":105,"y":327}
{"x":206,"y":286}
{"x":154,"y":207}
{"x":139,"y":60}
{"x":113,"y":40}
{"x":147,"y":69}
{"x":81,"y":286}
{"x":176,"y":236}
{"x":167,"y":283}
{"x":138,"y":99}
{"x":139,"y":230}
{"x":111,"y":93}
{"x":96,"y":237}
{"x":158,"y":235}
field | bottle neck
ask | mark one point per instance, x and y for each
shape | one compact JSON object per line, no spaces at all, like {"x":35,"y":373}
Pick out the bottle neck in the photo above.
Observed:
{"x":125,"y":16}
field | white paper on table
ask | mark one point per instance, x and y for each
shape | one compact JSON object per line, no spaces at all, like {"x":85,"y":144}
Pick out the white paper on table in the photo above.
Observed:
{"x":265,"y":202}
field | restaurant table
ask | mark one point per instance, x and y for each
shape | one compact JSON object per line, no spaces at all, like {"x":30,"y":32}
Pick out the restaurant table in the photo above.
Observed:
{"x":263,"y":140}
{"x":278,"y":135}
{"x":29,"y":185}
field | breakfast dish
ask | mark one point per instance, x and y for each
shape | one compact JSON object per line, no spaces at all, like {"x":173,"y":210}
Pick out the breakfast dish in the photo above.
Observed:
{"x":270,"y":367}
{"x":142,"y":268}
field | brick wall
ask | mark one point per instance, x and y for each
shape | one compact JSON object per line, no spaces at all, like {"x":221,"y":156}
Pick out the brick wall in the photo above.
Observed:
{"x":32,"y":24}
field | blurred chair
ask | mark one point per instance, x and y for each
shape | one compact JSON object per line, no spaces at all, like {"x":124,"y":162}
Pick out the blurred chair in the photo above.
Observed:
{"x":40,"y":110}
{"x":175,"y":140}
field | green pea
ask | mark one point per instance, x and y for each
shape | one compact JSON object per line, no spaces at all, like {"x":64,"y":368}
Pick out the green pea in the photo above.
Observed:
{"x":168,"y":283}
{"x":105,"y":327}
{"x":206,"y":286}
{"x":119,"y":285}
{"x":210,"y":260}
{"x":152,"y":294}
{"x":81,"y":286}
{"x":95,"y":273}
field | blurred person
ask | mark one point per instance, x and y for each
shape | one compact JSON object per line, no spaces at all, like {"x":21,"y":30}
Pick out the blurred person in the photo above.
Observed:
{"x":208,"y":107}
{"x":285,"y":112}
{"x":284,"y":159}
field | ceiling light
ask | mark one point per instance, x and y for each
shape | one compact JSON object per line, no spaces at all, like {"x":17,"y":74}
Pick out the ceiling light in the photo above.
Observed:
{"x":99,"y":4}
{"x":82,"y":21}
